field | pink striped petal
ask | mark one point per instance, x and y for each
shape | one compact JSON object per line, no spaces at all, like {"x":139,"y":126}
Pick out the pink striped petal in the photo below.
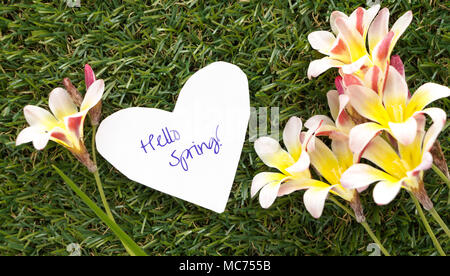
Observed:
{"x":351,"y":80}
{"x":395,"y":93}
{"x":378,"y":29}
{"x":344,"y":121}
{"x":397,"y":63}
{"x":360,"y":136}
{"x":93,"y":95}
{"x":339,"y":51}
{"x":425,"y":164}
{"x":373,"y":79}
{"x":381,"y":52}
{"x":338,"y":82}
{"x":74,"y":124}
{"x":353,"y":39}
{"x":60,"y":136}
{"x":89,"y":76}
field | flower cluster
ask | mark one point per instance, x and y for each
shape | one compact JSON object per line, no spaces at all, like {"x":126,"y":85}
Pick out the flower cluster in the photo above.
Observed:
{"x":374,"y":117}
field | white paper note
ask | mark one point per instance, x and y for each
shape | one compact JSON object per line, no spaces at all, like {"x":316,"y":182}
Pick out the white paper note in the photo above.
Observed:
{"x":192,"y":152}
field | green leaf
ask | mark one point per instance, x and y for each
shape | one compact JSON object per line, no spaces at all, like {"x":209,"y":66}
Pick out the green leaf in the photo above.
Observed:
{"x":126,"y":240}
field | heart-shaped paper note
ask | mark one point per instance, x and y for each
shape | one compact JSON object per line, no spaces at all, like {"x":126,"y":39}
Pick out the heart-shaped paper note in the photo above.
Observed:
{"x":191,"y":153}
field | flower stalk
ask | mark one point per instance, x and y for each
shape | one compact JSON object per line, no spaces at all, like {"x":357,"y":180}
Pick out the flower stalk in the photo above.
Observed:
{"x":363,"y":223}
{"x":427,"y":226}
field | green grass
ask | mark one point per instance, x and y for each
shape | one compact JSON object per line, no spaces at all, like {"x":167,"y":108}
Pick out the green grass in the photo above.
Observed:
{"x":145,"y":53}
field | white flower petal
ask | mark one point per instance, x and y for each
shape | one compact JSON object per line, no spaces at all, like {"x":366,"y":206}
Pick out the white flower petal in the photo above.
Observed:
{"x":314,"y":199}
{"x":29,"y":134}
{"x":301,"y":165}
{"x":405,"y":132}
{"x":271,"y":153}
{"x":93,"y":95}
{"x":318,"y":66}
{"x":385,"y":191}
{"x":262,"y":179}
{"x":321,"y":41}
{"x":395,"y":93}
{"x":424,"y":95}
{"x":37,"y":116}
{"x":268,"y":194}
{"x":291,"y":136}
{"x":361,"y":175}
{"x":400,"y":26}
{"x":61,"y":104}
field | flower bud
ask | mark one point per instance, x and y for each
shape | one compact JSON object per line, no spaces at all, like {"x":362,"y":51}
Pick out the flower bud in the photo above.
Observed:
{"x":73,"y":91}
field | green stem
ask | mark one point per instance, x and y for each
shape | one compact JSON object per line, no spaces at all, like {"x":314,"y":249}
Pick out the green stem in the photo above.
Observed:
{"x":427,"y":225}
{"x":126,"y":240}
{"x":97,"y":176}
{"x":441,"y":223}
{"x":102,"y":194}
{"x":100,"y":186}
{"x":364,"y":224}
{"x":441,"y":175}
{"x":444,"y":178}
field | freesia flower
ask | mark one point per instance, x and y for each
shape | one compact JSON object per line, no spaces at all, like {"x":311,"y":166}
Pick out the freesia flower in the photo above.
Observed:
{"x":293,"y":164}
{"x":65,"y":125}
{"x":346,"y":46}
{"x":399,"y":170}
{"x":337,"y":128}
{"x":330,"y":164}
{"x":393,"y":110}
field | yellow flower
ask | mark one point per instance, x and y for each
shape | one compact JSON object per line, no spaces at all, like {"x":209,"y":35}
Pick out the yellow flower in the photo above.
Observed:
{"x":303,"y":149}
{"x":399,"y":170}
{"x":346,"y":46}
{"x":65,"y":125}
{"x":292,"y":164}
{"x":393,"y":110}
